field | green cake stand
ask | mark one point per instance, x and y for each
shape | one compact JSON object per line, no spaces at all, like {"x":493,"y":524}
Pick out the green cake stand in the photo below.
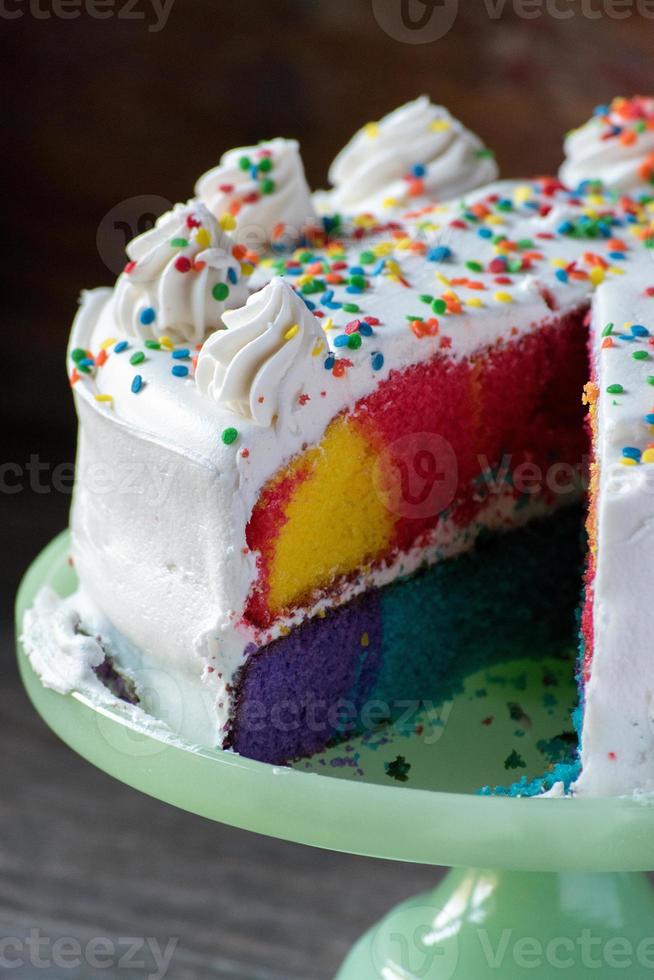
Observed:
{"x":541,"y":888}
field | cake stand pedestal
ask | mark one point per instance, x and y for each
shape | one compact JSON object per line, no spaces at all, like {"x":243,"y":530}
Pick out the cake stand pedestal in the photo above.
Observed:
{"x":565,"y":898}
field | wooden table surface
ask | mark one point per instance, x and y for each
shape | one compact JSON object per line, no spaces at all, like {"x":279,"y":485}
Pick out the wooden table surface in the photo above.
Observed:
{"x":84,"y":856}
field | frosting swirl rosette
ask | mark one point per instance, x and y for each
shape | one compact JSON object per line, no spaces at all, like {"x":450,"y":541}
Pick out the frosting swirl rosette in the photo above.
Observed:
{"x":265,"y":357}
{"x":419,"y":150}
{"x":615,"y":146}
{"x":182,"y":275}
{"x":261,"y":193}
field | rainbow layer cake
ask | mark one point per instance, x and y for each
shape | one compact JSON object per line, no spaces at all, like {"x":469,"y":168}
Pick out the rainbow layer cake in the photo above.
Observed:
{"x":334,"y":448}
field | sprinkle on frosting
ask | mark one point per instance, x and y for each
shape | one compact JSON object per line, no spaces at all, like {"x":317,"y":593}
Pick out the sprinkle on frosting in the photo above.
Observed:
{"x":266,"y":350}
{"x":261,"y":194}
{"x":418,"y":151}
{"x":182,"y":275}
{"x":615,"y":147}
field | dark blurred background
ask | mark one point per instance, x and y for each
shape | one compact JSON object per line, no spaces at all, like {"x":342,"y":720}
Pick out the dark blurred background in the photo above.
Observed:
{"x":97,"y":113}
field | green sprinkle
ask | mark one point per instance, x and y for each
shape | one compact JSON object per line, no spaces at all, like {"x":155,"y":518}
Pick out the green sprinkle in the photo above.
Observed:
{"x":640,"y":355}
{"x":84,"y":368}
{"x":650,"y":380}
{"x":439,"y":306}
{"x":229,"y":436}
{"x":267,"y":186}
{"x":265,"y":164}
{"x":354,"y":341}
{"x":615,"y":389}
{"x":220,"y":291}
{"x":484,"y":154}
{"x":179,"y":242}
{"x":515,"y":265}
{"x":365,"y":258}
{"x":426,"y":298}
{"x":152,"y":344}
{"x":525,"y":243}
{"x":350,"y":307}
{"x":137,"y":357}
{"x":244,"y":163}
{"x":608,"y":330}
{"x":78,"y":355}
{"x":358,"y":281}
{"x":474,"y":266}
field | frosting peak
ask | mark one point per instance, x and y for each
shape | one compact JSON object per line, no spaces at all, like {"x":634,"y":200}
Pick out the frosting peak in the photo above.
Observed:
{"x":418,"y":150}
{"x":182,"y":275}
{"x":261,"y":193}
{"x":615,"y":146}
{"x":270,"y":347}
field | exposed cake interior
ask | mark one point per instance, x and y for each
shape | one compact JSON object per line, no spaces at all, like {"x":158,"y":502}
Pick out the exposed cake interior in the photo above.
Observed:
{"x":494,"y":441}
{"x":438,"y":452}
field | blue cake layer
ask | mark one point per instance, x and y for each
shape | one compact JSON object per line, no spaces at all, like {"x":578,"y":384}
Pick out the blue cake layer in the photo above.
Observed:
{"x":513,"y":596}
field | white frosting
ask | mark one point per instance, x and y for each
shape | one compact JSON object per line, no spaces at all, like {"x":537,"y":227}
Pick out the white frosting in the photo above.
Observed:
{"x":615,"y":146}
{"x":181,"y":277}
{"x":418,"y":139}
{"x":261,"y":191}
{"x":618,"y":734}
{"x":270,"y":346}
{"x":66,"y":638}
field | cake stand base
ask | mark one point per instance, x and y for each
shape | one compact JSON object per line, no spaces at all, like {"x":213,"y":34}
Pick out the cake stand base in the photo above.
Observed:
{"x":513,"y":924}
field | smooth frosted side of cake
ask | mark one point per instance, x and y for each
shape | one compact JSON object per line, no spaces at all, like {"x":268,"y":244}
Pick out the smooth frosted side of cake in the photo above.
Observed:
{"x":618,"y":695}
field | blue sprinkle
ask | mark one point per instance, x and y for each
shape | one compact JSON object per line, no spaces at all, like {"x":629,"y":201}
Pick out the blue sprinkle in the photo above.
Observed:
{"x":639,"y":331}
{"x":439,"y":254}
{"x":121,"y":346}
{"x":650,"y":418}
{"x":378,"y":267}
{"x":365,"y":329}
{"x":561,"y":275}
{"x":147,"y":315}
{"x":180,"y":354}
{"x":342,"y":340}
{"x":179,"y":370}
{"x":329,"y":362}
{"x":353,"y":289}
{"x":327,"y":297}
{"x":631,"y":452}
{"x":293,"y":271}
{"x":418,"y":170}
{"x":137,"y":383}
{"x":232,"y":275}
{"x":377,"y":361}
{"x":356,"y":270}
{"x":565,"y":228}
{"x":333,"y":306}
{"x":484,"y":233}
{"x":87,"y":362}
{"x":309,"y":305}
{"x":601,"y":110}
{"x":617,"y":256}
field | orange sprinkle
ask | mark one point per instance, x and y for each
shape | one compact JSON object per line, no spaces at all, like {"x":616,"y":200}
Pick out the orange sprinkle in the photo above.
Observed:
{"x":101,"y":358}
